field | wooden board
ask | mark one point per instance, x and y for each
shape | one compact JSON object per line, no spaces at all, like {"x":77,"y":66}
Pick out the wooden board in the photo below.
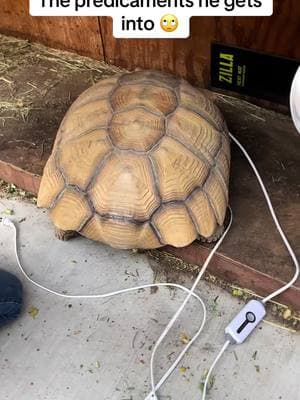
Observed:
{"x":190,"y":58}
{"x":181,"y":56}
{"x":73,"y":33}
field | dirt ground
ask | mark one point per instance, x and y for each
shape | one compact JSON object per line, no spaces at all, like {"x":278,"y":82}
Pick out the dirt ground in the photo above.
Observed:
{"x":37,"y":86}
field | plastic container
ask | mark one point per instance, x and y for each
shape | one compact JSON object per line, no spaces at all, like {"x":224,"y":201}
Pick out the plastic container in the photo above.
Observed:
{"x":295,"y":100}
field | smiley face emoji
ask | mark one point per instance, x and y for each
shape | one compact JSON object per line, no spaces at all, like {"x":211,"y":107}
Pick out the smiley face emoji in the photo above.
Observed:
{"x":169,"y":23}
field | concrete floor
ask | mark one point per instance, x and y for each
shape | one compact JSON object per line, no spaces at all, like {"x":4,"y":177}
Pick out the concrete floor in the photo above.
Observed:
{"x":100,"y":349}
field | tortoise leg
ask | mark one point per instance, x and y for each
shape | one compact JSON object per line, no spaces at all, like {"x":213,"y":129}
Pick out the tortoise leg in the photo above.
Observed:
{"x":213,"y":238}
{"x":65,"y":235}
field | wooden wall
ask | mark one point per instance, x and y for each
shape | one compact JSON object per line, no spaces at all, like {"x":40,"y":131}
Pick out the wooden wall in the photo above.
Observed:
{"x":78,"y":34}
{"x":190,"y":58}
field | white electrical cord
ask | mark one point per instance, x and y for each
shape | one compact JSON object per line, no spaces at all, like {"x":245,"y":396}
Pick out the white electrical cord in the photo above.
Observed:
{"x":266,"y":299}
{"x":152,"y":395}
{"x":7,"y":222}
{"x":276,"y":222}
{"x":285,"y":241}
{"x":154,"y":387}
{"x":223,"y":349}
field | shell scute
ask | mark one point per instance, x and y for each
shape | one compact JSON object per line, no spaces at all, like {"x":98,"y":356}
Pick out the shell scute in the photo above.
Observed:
{"x":203,"y":213}
{"x":86,"y":118}
{"x":125,"y":187}
{"x":121,"y":234}
{"x":136,"y":129}
{"x":71,"y":211}
{"x":195,"y":132}
{"x":178,"y":170}
{"x":174,"y":225}
{"x":161,"y":101}
{"x":195,"y":100}
{"x":52,"y":184}
{"x":155,"y":78}
{"x":84,"y":153}
{"x":217,"y":197}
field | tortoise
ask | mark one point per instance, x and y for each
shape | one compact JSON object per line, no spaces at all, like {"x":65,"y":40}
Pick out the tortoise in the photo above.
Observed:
{"x":141,"y":160}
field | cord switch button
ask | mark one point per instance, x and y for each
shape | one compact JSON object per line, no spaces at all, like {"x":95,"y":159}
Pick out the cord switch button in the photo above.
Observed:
{"x":250,"y":317}
{"x":245,"y":322}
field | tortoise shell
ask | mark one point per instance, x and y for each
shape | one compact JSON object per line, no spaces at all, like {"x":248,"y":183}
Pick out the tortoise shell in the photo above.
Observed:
{"x":141,"y":160}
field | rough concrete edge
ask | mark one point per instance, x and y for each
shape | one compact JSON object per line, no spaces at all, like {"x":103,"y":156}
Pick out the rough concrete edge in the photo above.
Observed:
{"x":168,"y":267}
{"x":235,"y":272}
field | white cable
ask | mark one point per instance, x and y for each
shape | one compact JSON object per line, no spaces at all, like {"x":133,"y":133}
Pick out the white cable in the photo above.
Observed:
{"x":9,"y":223}
{"x":223,"y":349}
{"x":267,"y":298}
{"x":190,"y":292}
{"x":94,"y":296}
{"x":154,"y":387}
{"x":276,"y":222}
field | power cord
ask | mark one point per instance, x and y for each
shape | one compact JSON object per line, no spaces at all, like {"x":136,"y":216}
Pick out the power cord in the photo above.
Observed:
{"x":154,"y":387}
{"x":239,"y":328}
{"x":276,"y":222}
{"x":254,"y":308}
{"x":9,"y":223}
{"x":221,"y":352}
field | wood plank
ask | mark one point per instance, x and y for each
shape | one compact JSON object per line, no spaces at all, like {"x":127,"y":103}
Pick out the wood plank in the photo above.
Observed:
{"x":235,"y":272}
{"x":21,"y":178}
{"x":190,"y":58}
{"x":78,"y":34}
{"x":177,"y":56}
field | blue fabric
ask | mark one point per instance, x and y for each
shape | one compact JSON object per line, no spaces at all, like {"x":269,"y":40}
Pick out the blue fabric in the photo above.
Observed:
{"x":10,"y":297}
